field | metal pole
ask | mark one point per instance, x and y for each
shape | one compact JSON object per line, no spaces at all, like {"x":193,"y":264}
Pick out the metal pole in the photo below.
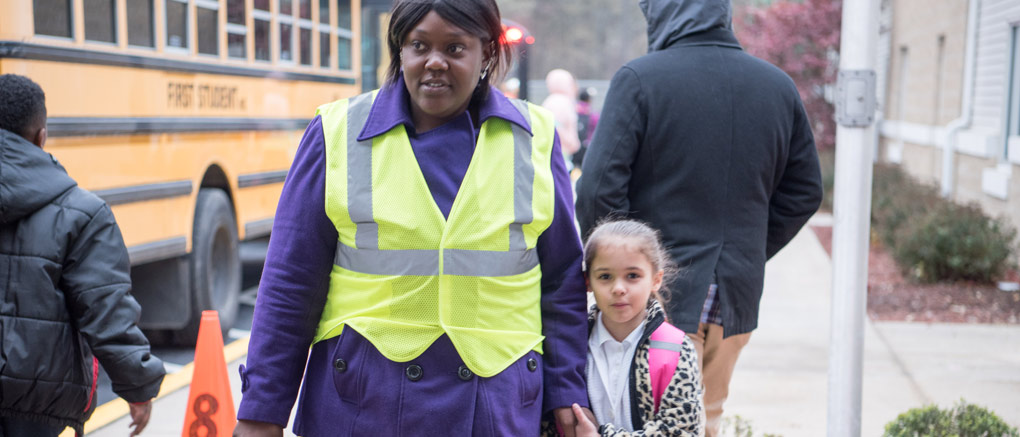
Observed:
{"x":522,"y":71}
{"x":851,"y":214}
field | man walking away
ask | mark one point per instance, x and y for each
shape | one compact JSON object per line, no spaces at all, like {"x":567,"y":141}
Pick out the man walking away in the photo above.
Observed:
{"x":713,"y":147}
{"x":65,"y":287}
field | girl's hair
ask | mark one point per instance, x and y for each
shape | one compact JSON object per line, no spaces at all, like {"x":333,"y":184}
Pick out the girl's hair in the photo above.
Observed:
{"x":642,"y":236}
{"x":478,"y":17}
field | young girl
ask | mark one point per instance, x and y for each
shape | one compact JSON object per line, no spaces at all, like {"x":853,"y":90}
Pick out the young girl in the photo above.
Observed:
{"x":625,"y":268}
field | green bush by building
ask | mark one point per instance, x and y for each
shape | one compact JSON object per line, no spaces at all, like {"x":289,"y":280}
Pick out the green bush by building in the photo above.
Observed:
{"x":963,"y":420}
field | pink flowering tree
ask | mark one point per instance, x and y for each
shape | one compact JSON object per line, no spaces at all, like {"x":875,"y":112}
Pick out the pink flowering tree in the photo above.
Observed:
{"x":802,"y":38}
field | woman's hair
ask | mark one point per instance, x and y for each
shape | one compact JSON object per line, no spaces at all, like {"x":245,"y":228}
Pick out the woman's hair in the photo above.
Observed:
{"x":643,"y":237}
{"x":478,"y":17}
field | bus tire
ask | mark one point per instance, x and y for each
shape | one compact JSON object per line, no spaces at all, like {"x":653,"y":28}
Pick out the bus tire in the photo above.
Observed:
{"x":214,"y":263}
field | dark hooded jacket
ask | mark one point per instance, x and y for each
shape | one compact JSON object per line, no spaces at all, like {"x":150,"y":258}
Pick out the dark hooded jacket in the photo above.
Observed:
{"x":711,"y":146}
{"x":65,"y":307}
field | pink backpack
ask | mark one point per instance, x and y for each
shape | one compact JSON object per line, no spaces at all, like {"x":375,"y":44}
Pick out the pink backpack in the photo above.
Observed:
{"x":663,"y":354}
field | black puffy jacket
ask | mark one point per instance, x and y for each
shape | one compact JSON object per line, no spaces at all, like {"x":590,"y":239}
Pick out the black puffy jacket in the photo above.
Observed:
{"x":65,"y":305}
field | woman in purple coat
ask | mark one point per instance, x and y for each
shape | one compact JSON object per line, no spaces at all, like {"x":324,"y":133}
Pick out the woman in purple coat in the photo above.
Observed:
{"x":424,"y":249}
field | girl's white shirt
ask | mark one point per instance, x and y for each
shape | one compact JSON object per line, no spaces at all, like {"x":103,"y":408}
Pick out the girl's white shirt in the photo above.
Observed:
{"x":608,"y":374}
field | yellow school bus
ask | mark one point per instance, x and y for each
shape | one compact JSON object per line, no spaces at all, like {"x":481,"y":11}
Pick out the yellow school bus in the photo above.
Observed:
{"x":184,"y":116}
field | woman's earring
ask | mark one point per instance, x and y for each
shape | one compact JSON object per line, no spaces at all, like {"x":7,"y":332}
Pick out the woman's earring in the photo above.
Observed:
{"x":485,"y":72}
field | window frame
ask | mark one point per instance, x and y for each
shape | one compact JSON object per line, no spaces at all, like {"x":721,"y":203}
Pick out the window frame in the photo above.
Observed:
{"x":70,"y":25}
{"x":152,"y":19}
{"x":215,"y":6}
{"x":167,"y":48}
{"x":113,"y":21}
{"x":340,"y":32}
{"x":269,"y":18}
{"x":290,"y":20}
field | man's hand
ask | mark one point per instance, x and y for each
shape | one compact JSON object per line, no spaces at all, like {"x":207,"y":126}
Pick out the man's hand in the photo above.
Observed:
{"x":140,"y":413}
{"x":586,"y":424}
{"x":251,"y":428}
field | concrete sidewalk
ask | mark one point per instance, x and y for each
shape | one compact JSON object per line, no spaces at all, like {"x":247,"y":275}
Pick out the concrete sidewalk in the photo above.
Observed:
{"x":780,"y":385}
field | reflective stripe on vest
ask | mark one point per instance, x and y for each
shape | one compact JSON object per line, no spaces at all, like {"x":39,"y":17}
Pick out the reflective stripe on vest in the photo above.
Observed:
{"x":403,"y":274}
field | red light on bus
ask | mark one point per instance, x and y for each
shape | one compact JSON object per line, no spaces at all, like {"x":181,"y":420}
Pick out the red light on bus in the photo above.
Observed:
{"x":514,"y":35}
{"x":530,"y":39}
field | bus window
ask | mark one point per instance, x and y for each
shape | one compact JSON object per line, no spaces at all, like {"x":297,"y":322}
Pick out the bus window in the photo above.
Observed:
{"x":343,"y":50}
{"x":207,"y":15}
{"x":57,"y":19}
{"x":344,"y":34}
{"x":305,"y":9}
{"x":306,"y":45}
{"x":261,"y":17}
{"x":237,"y":31}
{"x":325,"y":54}
{"x":177,"y":24}
{"x":286,"y":42}
{"x":139,"y":23}
{"x":99,"y":21}
{"x":343,"y":8}
{"x":261,"y":40}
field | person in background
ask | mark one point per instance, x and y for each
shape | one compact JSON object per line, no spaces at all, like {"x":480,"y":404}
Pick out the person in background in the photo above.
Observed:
{"x":711,"y":146}
{"x":587,"y":120}
{"x":67,"y":305}
{"x":626,"y":269}
{"x":437,"y":297}
{"x":562,"y":102}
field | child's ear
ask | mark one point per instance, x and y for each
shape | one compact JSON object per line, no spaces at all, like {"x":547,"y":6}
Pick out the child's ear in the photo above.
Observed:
{"x":657,"y":281}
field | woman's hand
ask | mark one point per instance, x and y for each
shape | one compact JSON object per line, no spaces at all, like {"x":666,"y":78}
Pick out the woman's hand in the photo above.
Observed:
{"x":140,"y":413}
{"x":251,"y":428}
{"x":586,"y":424}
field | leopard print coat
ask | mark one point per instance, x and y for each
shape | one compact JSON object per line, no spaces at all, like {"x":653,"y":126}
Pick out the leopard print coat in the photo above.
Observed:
{"x":681,"y":412}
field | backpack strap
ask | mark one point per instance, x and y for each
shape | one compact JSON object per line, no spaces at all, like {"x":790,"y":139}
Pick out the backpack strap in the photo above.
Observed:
{"x":664,"y":348}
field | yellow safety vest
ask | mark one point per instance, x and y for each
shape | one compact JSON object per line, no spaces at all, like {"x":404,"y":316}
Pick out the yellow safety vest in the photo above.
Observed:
{"x":403,"y":274}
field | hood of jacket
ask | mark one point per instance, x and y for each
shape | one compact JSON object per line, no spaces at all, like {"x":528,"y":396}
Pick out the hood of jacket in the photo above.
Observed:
{"x":30,"y":178}
{"x":671,"y":20}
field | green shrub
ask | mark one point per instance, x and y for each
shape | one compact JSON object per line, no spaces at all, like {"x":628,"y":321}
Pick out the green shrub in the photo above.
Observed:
{"x":963,"y":420}
{"x":955,"y":242}
{"x":896,"y":200}
{"x":934,"y":239}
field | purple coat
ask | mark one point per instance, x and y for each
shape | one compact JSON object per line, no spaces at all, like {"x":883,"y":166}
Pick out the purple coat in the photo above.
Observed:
{"x":349,"y":387}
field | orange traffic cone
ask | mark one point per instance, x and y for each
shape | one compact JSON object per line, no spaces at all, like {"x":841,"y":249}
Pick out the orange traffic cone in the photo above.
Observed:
{"x":210,"y":411}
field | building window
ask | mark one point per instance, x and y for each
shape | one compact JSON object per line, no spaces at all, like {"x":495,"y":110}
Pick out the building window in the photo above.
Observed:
{"x":261,"y":17}
{"x":1012,"y":114}
{"x":207,"y":17}
{"x":344,"y":35}
{"x":100,"y":21}
{"x":177,"y":24}
{"x":52,"y":17}
{"x":237,"y":30}
{"x":139,"y":21}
